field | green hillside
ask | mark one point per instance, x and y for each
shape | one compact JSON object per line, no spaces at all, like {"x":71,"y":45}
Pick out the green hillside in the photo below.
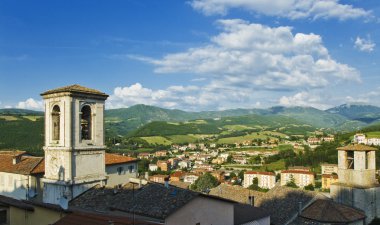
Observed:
{"x":22,"y":132}
{"x":223,"y":126}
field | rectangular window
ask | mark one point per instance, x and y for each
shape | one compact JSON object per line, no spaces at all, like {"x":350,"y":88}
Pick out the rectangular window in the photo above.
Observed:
{"x":3,"y":216}
{"x":120,"y":170}
{"x":131,"y":169}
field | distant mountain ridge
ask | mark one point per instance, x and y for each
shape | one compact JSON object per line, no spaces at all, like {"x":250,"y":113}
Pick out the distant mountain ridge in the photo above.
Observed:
{"x":124,"y":120}
{"x":359,"y":112}
{"x":20,"y":112}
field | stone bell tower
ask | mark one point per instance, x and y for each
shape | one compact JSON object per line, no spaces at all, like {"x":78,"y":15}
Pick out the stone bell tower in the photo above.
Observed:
{"x":74,"y":142}
{"x":357,"y":186}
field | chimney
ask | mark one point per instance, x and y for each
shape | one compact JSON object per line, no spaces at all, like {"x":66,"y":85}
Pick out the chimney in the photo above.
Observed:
{"x":16,"y":159}
{"x":146,"y":176}
{"x":251,"y":200}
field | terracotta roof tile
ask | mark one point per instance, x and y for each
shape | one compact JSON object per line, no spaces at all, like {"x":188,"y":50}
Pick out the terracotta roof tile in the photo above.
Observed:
{"x":76,"y":89}
{"x":112,"y":159}
{"x":357,"y":147}
{"x":25,"y":166}
{"x":297,"y":171}
{"x":282,"y":202}
{"x":328,"y":211}
{"x":260,"y":172}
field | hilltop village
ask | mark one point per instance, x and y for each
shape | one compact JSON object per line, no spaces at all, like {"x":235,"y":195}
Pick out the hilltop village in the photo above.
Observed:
{"x":272,"y":178}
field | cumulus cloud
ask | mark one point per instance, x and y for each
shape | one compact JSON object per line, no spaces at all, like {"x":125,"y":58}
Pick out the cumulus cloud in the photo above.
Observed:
{"x":242,"y":65}
{"x":303,"y":99}
{"x":364,"y":45}
{"x":30,"y":103}
{"x":292,"y":9}
{"x":256,"y":55}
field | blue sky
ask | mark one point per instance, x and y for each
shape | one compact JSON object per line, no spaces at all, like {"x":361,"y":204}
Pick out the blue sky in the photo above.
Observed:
{"x":193,"y":55}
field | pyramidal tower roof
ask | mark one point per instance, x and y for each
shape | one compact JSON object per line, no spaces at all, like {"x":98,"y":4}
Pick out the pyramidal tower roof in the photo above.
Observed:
{"x":76,"y":88}
{"x":357,"y":147}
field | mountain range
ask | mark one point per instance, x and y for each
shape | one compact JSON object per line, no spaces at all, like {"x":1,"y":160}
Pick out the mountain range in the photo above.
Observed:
{"x":125,"y":120}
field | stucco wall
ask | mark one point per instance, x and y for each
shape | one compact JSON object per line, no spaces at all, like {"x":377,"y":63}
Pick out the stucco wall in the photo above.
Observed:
{"x":114,"y":178}
{"x":204,"y":211}
{"x":15,"y":185}
{"x":40,"y":216}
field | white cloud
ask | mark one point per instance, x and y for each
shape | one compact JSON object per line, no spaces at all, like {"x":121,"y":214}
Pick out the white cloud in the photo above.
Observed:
{"x":303,"y":99}
{"x":244,"y":64}
{"x":30,"y":103}
{"x":256,"y":55}
{"x":364,"y":45}
{"x":292,"y":9}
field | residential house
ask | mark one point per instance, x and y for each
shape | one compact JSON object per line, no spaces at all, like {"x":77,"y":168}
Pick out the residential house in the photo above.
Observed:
{"x":184,"y":164}
{"x":329,"y":168}
{"x":161,"y":153}
{"x":360,"y":139}
{"x":313,"y":141}
{"x":213,"y":145}
{"x":177,"y":176}
{"x":190,"y":178}
{"x":144,"y":155}
{"x":153,"y":167}
{"x":373,"y":141}
{"x":328,"y":179}
{"x":159,"y":178}
{"x":218,"y":160}
{"x":120,"y":169}
{"x":301,"y":178}
{"x":207,"y":167}
{"x":163,"y":165}
{"x":21,"y":175}
{"x":265,"y":180}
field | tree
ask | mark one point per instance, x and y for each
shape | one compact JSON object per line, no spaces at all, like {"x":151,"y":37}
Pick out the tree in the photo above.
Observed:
{"x":291,"y":182}
{"x":255,"y":185}
{"x":309,"y":187}
{"x":229,"y":159}
{"x":204,"y":183}
{"x":232,"y":175}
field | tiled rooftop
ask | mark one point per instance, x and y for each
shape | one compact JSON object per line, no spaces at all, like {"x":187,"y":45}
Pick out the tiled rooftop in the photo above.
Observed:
{"x":117,"y":159}
{"x":357,"y":147}
{"x":153,"y":200}
{"x":76,"y":89}
{"x":26,"y":165}
{"x":235,"y":193}
{"x":328,"y":211}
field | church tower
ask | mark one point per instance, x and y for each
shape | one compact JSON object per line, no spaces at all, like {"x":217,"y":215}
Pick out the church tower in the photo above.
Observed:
{"x":74,"y":142}
{"x":357,"y":185}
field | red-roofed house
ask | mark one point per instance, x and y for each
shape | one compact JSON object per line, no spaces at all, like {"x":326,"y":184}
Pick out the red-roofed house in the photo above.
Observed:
{"x":120,"y":169}
{"x":266,"y":180}
{"x":301,"y":178}
{"x":20,"y":175}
